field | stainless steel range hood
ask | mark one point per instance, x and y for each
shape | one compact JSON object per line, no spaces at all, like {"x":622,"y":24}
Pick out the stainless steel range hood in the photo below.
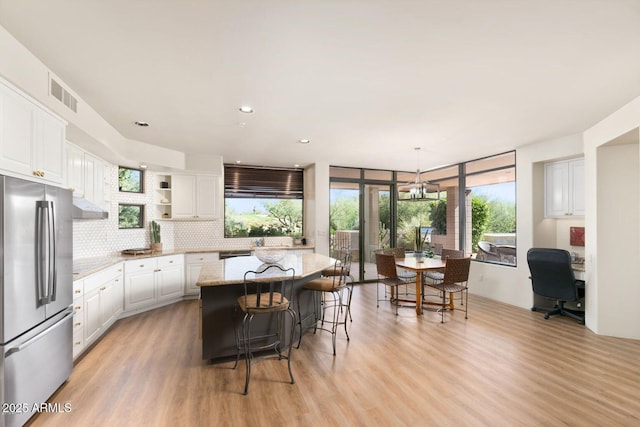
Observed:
{"x":84,"y":209}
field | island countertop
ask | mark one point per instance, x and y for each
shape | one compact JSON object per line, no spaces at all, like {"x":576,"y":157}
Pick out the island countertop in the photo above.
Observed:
{"x":231,"y":270}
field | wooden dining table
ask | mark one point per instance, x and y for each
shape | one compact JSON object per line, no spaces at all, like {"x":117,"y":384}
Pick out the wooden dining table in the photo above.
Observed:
{"x":419,"y":266}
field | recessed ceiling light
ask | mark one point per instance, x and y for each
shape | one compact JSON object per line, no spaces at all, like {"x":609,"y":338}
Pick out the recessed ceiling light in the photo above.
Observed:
{"x":143,"y":166}
{"x":296,"y":166}
{"x":238,"y":162}
{"x":141,"y":123}
{"x":246,"y":109}
{"x":304,"y":141}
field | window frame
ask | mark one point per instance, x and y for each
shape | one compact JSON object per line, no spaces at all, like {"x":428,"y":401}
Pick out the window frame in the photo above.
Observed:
{"x":247,"y":182}
{"x":140,"y":183}
{"x":140,"y":223}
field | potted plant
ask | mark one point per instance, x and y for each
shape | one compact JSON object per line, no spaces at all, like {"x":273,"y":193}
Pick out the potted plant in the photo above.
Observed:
{"x":156,"y":243}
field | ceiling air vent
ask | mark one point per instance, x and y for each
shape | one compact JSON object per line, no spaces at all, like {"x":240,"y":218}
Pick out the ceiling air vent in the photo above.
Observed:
{"x":62,"y":95}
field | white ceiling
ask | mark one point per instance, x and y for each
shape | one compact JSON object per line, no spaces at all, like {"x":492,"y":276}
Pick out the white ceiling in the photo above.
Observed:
{"x":365,"y":81}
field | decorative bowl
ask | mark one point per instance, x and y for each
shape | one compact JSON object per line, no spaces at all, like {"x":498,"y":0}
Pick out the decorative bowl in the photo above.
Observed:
{"x":270,"y":255}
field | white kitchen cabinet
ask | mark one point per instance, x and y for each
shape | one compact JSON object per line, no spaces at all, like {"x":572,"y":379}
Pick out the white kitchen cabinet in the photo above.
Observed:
{"x":564,"y":188}
{"x":93,"y":179}
{"x":78,"y":317}
{"x":97,"y":304}
{"x":32,"y":140}
{"x":85,"y":175}
{"x":195,"y":196}
{"x":75,"y":170}
{"x":194,"y":263}
{"x":152,"y":281}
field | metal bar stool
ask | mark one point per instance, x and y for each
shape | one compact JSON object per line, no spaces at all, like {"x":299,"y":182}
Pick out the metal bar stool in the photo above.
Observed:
{"x":332,"y":286}
{"x":266,"y":293}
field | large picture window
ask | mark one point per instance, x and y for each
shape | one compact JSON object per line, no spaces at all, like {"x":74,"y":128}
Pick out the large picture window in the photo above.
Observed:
{"x":491,"y":184}
{"x":261,"y":202}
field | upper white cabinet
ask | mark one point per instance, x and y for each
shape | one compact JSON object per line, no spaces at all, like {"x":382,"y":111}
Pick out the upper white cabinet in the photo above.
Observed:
{"x":75,"y":170}
{"x":564,"y":188}
{"x":32,"y":140}
{"x":195,"y":196}
{"x":86,"y":175}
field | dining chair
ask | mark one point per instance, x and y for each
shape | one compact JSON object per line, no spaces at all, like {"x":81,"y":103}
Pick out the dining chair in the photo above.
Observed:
{"x":267,"y":292}
{"x":438,"y":276}
{"x":456,"y":276}
{"x":330,"y":289}
{"x":387,"y":275}
{"x":407,"y":276}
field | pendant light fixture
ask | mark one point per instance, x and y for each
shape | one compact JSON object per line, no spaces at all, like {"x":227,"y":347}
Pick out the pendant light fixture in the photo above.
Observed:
{"x":418,"y":190}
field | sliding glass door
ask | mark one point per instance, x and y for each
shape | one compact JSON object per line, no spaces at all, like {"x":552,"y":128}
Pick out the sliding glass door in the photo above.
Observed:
{"x":360,"y":217}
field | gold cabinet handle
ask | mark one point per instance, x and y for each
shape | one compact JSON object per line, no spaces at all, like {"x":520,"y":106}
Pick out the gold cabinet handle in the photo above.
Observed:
{"x":103,"y":288}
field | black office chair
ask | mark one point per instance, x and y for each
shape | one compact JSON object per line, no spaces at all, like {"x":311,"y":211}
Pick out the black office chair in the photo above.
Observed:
{"x":553,"y":278}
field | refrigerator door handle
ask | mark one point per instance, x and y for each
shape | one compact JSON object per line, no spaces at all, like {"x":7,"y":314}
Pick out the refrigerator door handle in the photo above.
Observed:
{"x":41,"y":249}
{"x":52,"y":282}
{"x":41,"y":335}
{"x":46,"y":252}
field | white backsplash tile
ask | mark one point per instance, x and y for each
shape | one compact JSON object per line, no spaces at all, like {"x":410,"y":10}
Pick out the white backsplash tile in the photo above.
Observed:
{"x":95,"y":238}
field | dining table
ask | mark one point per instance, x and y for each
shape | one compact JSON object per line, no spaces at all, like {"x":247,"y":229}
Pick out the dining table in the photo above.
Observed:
{"x":420,"y":265}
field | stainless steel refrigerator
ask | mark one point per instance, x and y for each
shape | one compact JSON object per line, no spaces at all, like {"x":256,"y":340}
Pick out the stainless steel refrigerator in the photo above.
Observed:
{"x":36,"y":263}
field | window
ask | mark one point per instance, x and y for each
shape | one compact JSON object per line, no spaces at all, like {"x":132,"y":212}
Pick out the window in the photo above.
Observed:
{"x":491,"y":184}
{"x":130,"y":216}
{"x":130,"y":180}
{"x":262,"y":202}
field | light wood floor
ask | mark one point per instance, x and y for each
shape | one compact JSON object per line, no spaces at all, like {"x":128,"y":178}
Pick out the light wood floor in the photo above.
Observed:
{"x":504,"y":366}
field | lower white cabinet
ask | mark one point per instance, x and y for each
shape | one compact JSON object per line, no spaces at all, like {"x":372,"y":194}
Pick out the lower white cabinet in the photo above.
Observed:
{"x":97,"y":304}
{"x":150,"y":281}
{"x":194,"y":263}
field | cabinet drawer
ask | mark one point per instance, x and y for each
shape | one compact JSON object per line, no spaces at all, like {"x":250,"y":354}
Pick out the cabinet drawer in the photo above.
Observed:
{"x":145,"y":264}
{"x":78,"y":314}
{"x":202,"y":257}
{"x":78,"y":341}
{"x":100,"y":278}
{"x":170,"y":261}
{"x":78,"y":288}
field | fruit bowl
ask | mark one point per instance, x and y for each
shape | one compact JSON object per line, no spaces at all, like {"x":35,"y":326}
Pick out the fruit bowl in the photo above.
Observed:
{"x":270,"y":255}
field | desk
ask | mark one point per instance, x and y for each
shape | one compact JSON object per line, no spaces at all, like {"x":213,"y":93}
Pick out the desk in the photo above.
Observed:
{"x":222,"y":282}
{"x":411,"y":263}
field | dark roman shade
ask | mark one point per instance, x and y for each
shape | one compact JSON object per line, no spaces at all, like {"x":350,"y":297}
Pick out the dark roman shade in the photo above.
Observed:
{"x":258,"y":182}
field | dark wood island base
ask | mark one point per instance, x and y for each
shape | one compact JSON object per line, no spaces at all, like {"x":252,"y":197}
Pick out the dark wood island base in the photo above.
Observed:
{"x":221,"y":285}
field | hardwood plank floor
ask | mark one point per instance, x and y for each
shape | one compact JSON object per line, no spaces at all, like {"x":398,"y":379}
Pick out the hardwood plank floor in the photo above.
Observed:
{"x":504,"y":366}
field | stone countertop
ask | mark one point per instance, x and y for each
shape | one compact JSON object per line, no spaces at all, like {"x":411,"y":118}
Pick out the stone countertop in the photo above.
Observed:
{"x":83,"y":267}
{"x":231,"y":270}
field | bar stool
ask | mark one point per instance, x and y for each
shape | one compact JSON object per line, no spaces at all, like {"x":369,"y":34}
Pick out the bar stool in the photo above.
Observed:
{"x":332,"y":287}
{"x":266,"y":293}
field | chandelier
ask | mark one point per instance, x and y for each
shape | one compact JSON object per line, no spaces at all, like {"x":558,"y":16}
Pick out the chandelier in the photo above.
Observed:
{"x":417,"y":189}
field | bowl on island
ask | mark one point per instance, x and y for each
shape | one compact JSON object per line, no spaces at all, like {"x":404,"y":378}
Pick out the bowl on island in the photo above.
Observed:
{"x":270,"y":255}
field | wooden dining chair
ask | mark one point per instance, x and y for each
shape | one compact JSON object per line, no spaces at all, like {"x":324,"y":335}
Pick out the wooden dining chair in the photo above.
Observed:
{"x":388,"y":275}
{"x":456,"y":276}
{"x":438,"y":276}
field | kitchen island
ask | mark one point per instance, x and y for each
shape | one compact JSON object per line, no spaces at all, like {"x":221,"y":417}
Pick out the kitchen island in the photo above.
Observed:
{"x":221,"y":283}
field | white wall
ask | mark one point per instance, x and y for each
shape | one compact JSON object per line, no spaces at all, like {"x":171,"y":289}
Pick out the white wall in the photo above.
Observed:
{"x":508,"y":284}
{"x":86,"y":128}
{"x":613,"y":238}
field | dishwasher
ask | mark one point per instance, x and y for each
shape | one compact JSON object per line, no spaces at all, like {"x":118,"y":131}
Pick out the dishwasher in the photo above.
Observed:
{"x":233,"y":254}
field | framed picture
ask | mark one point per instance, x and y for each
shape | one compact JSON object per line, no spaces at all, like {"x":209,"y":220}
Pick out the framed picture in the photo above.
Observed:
{"x":576,"y":236}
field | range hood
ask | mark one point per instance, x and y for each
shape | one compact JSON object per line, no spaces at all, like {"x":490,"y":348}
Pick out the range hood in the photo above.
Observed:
{"x":84,"y":209}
